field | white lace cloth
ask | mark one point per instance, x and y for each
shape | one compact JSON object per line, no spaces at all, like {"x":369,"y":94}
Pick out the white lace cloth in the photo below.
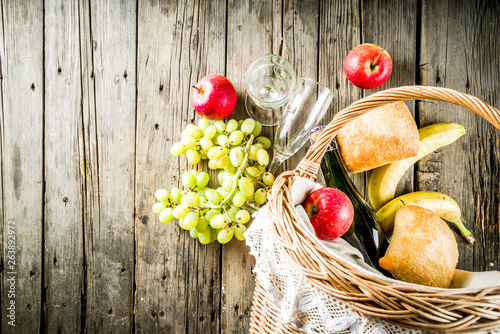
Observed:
{"x":298,"y":299}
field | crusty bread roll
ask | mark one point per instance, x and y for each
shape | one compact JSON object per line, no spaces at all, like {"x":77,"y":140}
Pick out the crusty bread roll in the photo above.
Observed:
{"x":423,"y":249}
{"x":383,"y":135}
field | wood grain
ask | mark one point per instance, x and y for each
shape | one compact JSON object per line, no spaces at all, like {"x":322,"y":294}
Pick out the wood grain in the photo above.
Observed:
{"x":393,"y":26}
{"x":109,"y":229}
{"x":64,"y":164}
{"x":465,"y":57}
{"x":253,"y":29}
{"x":177,"y":279}
{"x":21,"y":140}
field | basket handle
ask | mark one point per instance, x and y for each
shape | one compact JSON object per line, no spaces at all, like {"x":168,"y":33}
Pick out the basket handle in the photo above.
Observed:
{"x":309,"y":165}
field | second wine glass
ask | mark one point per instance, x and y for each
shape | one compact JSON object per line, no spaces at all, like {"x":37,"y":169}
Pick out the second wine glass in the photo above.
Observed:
{"x":305,"y":110}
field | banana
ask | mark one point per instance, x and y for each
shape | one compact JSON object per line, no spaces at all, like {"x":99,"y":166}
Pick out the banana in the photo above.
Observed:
{"x":442,"y":205}
{"x":384,"y":180}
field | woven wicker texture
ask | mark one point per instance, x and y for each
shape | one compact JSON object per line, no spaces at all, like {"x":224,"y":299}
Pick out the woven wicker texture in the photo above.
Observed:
{"x":448,"y":311}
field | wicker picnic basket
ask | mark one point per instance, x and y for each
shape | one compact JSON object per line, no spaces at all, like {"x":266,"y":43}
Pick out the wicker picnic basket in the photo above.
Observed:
{"x":450,"y":311}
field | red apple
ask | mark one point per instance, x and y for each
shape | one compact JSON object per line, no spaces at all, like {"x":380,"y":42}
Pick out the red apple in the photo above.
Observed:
{"x":368,"y":66}
{"x":330,"y":212}
{"x":214,"y":97}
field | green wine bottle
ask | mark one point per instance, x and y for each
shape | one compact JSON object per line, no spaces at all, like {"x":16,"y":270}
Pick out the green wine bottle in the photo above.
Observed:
{"x":366,"y":233}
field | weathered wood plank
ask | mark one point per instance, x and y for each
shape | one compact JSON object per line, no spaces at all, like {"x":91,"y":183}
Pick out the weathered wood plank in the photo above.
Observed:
{"x":64,"y":163}
{"x":393,"y":26}
{"x":90,"y":143}
{"x":178,"y":280}
{"x":109,"y":225}
{"x":301,"y":38}
{"x":465,"y":57}
{"x":254,"y":29}
{"x":21,"y":140}
{"x":339,"y":33}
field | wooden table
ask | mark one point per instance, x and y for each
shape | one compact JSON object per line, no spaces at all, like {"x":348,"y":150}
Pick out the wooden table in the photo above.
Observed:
{"x":93,"y":94}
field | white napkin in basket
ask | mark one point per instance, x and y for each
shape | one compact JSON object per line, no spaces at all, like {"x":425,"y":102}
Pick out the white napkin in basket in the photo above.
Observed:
{"x":318,"y":311}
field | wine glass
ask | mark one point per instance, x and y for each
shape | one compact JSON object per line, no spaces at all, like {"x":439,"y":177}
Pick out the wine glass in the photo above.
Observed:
{"x":269,"y":82}
{"x":304,"y":111}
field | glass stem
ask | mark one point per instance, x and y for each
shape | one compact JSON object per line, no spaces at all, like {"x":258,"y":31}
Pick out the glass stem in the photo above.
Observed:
{"x":277,"y":160}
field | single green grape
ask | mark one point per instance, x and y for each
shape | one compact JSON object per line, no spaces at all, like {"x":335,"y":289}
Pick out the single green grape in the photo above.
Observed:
{"x":260,"y":196}
{"x":158,"y":207}
{"x":219,"y":221}
{"x":206,"y":144}
{"x":213,"y":196}
{"x":205,"y":237}
{"x":203,"y":123}
{"x":257,"y":129}
{"x":253,"y":152}
{"x":188,"y":180}
{"x":180,"y":211}
{"x":232,"y":126}
{"x":239,"y":230}
{"x":215,"y":153}
{"x":261,"y":169}
{"x":247,"y":126}
{"x":202,"y":224}
{"x":235,"y":138}
{"x":211,"y":213}
{"x":162,"y":195}
{"x":192,"y":156}
{"x":191,"y":199}
{"x":262,"y":157}
{"x":223,"y":162}
{"x":193,"y":233}
{"x":236,"y":156}
{"x":259,"y":146}
{"x":188,"y":142}
{"x":239,"y":199}
{"x":193,"y":131}
{"x":210,"y":131}
{"x":246,"y":186}
{"x":220,"y":126}
{"x":203,"y":199}
{"x":177,"y":149}
{"x":166,"y":215}
{"x":176,"y":195}
{"x":268,"y":179}
{"x":190,"y":221}
{"x":242,"y":217}
{"x":223,"y":140}
{"x":212,"y":164}
{"x":225,"y":235}
{"x":231,"y":169}
{"x":252,"y":171}
{"x":181,"y":223}
{"x":202,"y":179}
{"x":265,"y":142}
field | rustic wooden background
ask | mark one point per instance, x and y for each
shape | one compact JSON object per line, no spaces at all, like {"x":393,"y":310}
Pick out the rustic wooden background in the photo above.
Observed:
{"x":93,"y":93}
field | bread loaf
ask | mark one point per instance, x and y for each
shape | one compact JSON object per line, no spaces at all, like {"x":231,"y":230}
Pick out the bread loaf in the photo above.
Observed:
{"x":381,"y":136}
{"x":423,"y":249}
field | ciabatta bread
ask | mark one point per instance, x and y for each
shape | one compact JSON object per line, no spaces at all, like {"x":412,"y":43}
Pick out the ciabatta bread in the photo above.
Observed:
{"x":423,"y":249}
{"x":381,"y":136}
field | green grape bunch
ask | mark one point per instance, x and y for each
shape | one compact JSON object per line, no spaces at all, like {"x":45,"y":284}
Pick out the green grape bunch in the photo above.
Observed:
{"x":240,"y":155}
